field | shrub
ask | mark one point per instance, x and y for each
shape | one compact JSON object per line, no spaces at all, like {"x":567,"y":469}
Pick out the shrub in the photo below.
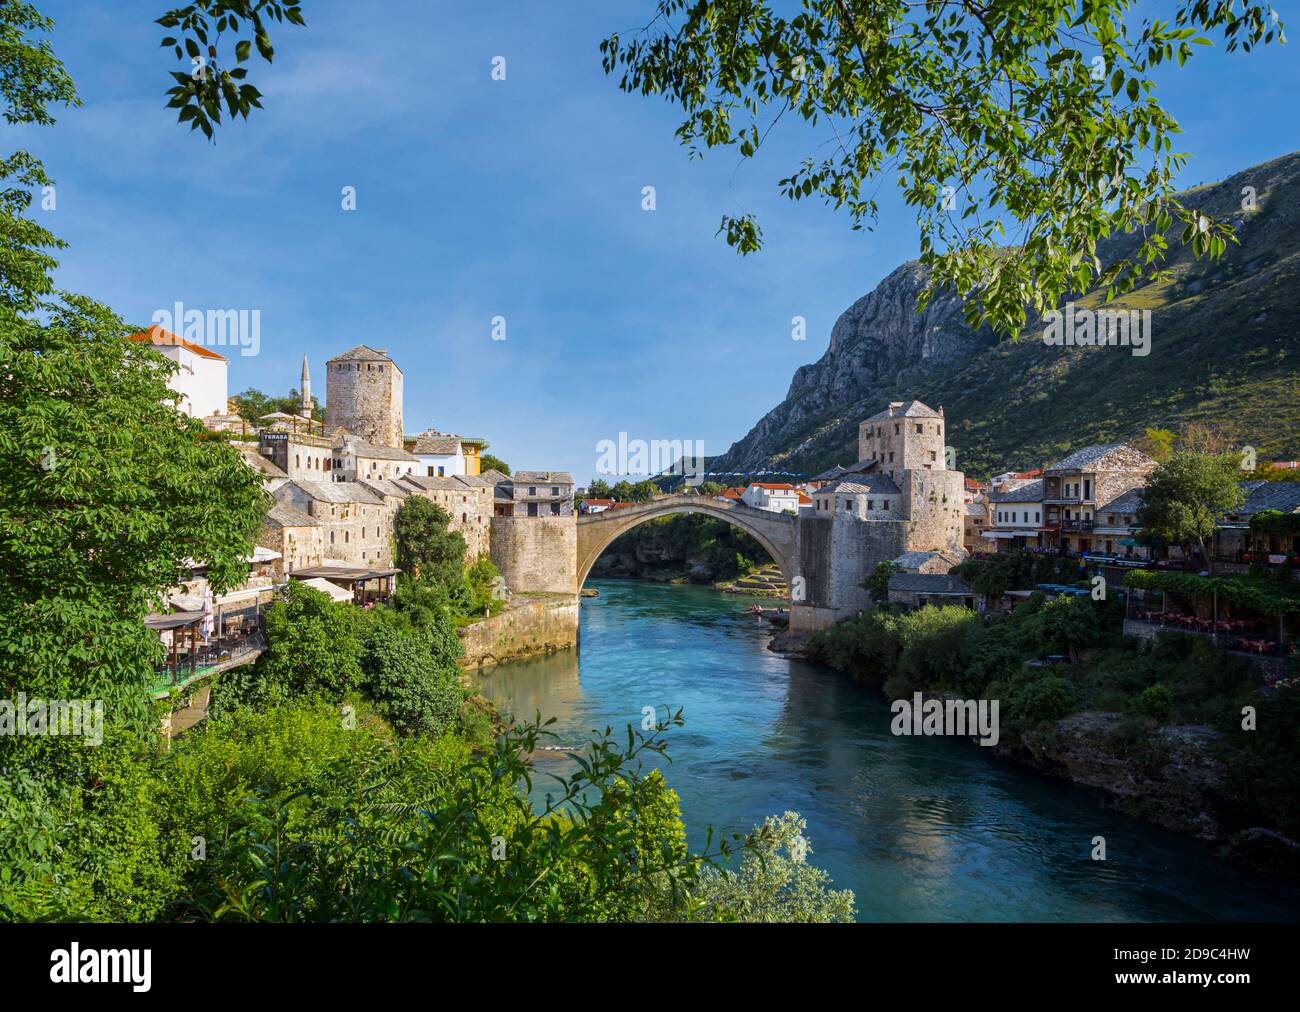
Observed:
{"x":1156,"y":702}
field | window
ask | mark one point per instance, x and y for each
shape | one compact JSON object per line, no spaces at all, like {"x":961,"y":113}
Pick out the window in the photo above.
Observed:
{"x":891,"y":457}
{"x":896,"y":428}
{"x":920,"y":429}
{"x":331,"y":537}
{"x":871,"y":504}
{"x":464,"y":518}
{"x":532,"y":489}
{"x":441,"y":471}
{"x":555,"y":490}
{"x":297,"y":462}
{"x":933,"y":456}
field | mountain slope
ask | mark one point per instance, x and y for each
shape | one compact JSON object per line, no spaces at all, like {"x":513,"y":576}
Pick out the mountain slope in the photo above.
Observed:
{"x":1225,"y":349}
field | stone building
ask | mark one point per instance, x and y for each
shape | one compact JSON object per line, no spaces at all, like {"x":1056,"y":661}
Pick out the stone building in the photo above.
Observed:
{"x":1016,"y":516}
{"x":976,"y":521}
{"x":357,"y":522}
{"x":1082,"y":484}
{"x":363,"y":395}
{"x":534,"y":494}
{"x":468,"y":499}
{"x":298,"y":454}
{"x":899,"y":497}
{"x":357,"y":459}
{"x":298,"y":537}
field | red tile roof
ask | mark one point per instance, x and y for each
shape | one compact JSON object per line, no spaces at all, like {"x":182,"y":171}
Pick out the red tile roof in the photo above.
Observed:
{"x":156,"y":335}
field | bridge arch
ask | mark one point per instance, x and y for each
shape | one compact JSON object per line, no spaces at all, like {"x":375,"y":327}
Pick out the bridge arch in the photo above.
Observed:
{"x":776,"y":532}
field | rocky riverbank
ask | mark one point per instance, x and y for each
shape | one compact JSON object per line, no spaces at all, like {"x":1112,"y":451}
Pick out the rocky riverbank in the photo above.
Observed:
{"x":1172,"y":777}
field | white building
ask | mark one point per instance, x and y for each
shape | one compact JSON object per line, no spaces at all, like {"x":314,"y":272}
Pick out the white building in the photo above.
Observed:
{"x":444,"y":455}
{"x":201,"y":378}
{"x":775,"y":496}
{"x":1016,"y":516}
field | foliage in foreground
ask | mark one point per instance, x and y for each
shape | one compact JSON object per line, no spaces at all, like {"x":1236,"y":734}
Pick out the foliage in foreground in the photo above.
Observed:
{"x":292,"y":814}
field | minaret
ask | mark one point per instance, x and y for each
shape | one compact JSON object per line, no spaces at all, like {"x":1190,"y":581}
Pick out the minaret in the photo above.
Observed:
{"x":305,"y":387}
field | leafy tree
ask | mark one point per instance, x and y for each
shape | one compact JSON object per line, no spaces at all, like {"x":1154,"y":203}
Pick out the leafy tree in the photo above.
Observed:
{"x":1271,"y":472}
{"x":876,"y":582}
{"x":622,"y":491}
{"x":312,"y":652}
{"x":91,"y":847}
{"x":1039,"y":115}
{"x":775,"y":883}
{"x":488,"y":462}
{"x":712,"y":488}
{"x":213,"y":74}
{"x":1186,"y":496}
{"x":381,"y":838}
{"x":598,"y":489}
{"x":427,"y":548}
{"x":31,"y":80}
{"x":486,"y":587}
{"x":253,"y":404}
{"x":643,"y":491}
{"x":416,"y":694}
{"x":107,"y":496}
{"x":1157,"y":443}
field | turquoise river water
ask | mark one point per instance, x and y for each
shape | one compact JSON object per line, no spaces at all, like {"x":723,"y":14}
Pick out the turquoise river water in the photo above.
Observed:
{"x":921,"y":829}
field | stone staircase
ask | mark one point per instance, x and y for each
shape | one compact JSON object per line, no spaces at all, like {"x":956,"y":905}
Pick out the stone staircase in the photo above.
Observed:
{"x":765,"y":580}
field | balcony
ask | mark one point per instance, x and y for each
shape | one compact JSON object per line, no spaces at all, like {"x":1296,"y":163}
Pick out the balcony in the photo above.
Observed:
{"x":1077,"y":526}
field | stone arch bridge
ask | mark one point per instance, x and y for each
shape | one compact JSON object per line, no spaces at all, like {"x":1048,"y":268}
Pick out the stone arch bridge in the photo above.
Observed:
{"x":778,"y":533}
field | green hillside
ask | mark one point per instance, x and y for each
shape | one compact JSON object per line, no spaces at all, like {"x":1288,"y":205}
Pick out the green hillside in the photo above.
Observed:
{"x":1225,"y":351}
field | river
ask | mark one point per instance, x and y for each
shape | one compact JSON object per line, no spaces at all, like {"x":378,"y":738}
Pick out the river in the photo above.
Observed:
{"x":921,"y":829}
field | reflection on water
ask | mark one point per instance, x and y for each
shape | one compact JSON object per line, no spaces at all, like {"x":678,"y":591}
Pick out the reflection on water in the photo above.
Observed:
{"x":920,"y":828}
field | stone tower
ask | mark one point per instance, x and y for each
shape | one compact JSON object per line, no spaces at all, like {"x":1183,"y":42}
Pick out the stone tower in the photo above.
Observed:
{"x":304,"y":388}
{"x":363,"y":394}
{"x":906,"y":442}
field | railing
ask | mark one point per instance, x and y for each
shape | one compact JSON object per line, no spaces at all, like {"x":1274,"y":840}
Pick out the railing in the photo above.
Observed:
{"x":1084,"y":526}
{"x":209,"y":657}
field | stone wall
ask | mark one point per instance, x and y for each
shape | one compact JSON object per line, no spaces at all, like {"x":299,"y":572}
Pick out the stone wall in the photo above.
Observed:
{"x":814,"y":555}
{"x":536,"y":553}
{"x":299,"y":547}
{"x":528,"y":626}
{"x":937,"y":510}
{"x":856,"y":548}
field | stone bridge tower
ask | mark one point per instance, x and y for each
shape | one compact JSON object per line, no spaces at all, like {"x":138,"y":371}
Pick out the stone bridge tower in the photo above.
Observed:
{"x":363,"y":394}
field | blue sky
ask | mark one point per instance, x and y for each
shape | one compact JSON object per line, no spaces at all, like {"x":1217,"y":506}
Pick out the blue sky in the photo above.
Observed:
{"x":479,"y":198}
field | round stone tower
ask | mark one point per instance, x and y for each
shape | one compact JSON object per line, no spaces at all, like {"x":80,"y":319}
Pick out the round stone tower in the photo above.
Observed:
{"x":363,"y":394}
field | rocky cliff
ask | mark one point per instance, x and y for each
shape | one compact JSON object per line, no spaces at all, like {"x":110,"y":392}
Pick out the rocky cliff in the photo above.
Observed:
{"x":1225,"y":349}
